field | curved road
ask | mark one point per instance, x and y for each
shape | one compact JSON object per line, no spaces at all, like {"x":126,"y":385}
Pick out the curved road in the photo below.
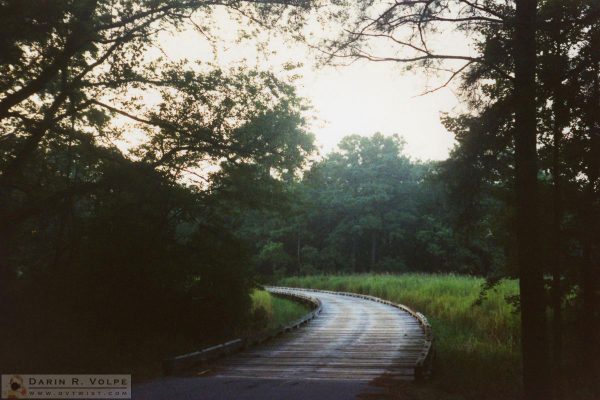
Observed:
{"x":335,"y":356}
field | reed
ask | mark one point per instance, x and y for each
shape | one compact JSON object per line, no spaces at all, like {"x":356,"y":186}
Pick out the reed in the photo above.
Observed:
{"x":478,"y":349}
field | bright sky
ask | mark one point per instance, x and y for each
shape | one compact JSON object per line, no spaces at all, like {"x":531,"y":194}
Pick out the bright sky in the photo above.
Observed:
{"x":363,"y":98}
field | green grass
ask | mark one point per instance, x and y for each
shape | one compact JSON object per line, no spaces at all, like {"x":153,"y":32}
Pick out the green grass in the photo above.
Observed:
{"x":276,"y":310}
{"x":477,"y":345}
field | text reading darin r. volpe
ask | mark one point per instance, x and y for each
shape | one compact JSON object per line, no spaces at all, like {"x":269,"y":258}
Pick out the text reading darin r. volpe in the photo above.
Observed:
{"x":21,"y":386}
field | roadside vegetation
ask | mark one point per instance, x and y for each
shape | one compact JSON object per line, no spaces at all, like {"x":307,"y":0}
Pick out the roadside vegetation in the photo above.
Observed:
{"x":267,"y":312}
{"x":141,"y":357}
{"x":271,"y":312}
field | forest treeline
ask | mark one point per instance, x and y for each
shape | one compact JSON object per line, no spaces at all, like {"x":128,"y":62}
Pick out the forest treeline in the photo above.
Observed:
{"x":367,"y":207}
{"x":109,"y":244}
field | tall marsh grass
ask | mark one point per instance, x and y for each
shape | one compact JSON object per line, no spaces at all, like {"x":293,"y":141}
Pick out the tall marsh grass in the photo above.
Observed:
{"x":477,"y":346}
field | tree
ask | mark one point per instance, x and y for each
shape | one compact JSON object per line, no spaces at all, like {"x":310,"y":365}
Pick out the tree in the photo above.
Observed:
{"x":562,"y":139}
{"x":407,"y":25}
{"x":66,"y":66}
{"x":90,"y":227}
{"x":531,"y":281}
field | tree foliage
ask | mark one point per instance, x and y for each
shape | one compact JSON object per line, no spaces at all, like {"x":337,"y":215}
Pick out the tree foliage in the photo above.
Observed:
{"x":95,"y":237}
{"x":368,"y":207}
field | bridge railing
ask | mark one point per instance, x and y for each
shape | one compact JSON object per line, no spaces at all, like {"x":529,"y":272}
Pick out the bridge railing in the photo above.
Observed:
{"x":187,"y":361}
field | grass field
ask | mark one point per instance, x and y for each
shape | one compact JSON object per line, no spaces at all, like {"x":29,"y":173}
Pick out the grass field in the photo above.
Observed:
{"x":477,"y":345}
{"x":276,"y":310}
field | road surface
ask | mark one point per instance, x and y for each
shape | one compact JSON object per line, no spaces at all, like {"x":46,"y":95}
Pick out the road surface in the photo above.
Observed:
{"x":338,"y":355}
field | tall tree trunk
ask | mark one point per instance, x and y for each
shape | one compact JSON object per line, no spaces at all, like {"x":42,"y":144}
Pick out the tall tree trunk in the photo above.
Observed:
{"x":591,"y":268}
{"x":557,"y":256}
{"x":298,"y":260}
{"x":531,"y":280}
{"x":5,"y":270}
{"x":373,"y":250}
{"x":559,"y":111}
{"x":353,"y":254}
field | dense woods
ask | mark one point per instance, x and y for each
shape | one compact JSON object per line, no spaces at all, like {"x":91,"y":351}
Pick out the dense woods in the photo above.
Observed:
{"x":224,"y":188}
{"x":369,"y":208}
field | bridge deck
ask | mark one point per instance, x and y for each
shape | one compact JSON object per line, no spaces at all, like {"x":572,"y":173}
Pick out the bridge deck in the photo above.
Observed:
{"x":353,"y":339}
